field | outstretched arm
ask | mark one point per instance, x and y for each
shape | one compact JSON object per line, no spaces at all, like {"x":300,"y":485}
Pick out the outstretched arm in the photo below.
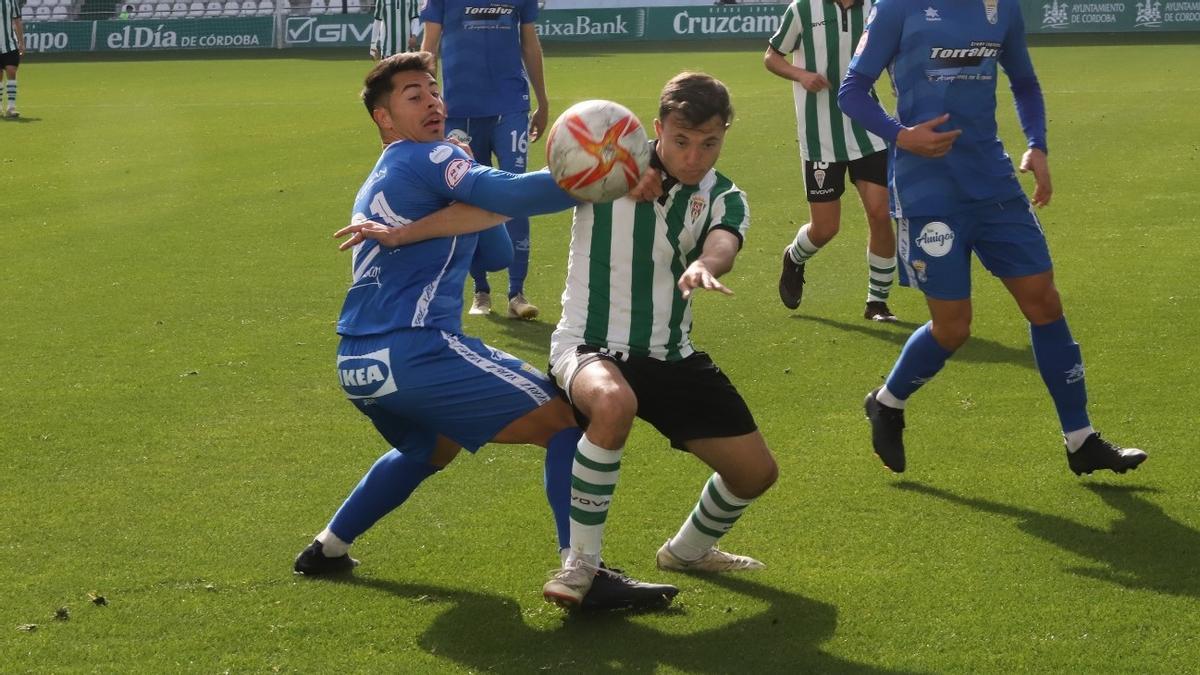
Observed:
{"x":453,"y":220}
{"x":716,"y":258}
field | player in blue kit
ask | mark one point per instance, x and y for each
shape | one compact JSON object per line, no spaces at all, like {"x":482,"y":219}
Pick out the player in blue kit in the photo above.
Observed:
{"x":954,"y":191}
{"x":490,"y":56}
{"x":403,"y":360}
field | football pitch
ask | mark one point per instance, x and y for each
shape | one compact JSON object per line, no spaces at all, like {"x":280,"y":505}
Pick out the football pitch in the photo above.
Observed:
{"x":174,"y":433}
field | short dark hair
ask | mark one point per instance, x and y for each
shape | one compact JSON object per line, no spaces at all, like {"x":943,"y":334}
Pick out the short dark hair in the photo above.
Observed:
{"x":697,"y":97}
{"x":378,"y":84}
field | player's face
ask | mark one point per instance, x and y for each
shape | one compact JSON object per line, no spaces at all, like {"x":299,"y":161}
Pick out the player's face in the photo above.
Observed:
{"x":688,"y":153}
{"x":414,"y":111}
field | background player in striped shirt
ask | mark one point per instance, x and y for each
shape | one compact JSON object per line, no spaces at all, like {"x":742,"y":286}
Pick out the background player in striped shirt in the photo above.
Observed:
{"x":395,"y":29}
{"x":491,"y":56}
{"x":403,"y":361}
{"x":622,"y":348}
{"x":821,"y":35}
{"x":954,"y":193}
{"x":12,"y":48}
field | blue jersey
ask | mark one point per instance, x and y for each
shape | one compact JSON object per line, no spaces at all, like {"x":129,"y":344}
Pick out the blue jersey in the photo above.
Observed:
{"x":942,"y":56}
{"x":421,"y":285}
{"x":483,"y":73}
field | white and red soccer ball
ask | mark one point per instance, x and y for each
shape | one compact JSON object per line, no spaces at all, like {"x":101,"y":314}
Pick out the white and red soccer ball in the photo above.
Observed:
{"x":597,"y":150}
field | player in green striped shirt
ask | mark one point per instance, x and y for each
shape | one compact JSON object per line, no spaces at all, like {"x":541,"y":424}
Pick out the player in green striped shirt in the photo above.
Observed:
{"x":395,"y":28}
{"x":622,"y":348}
{"x":821,"y":36}
{"x":12,"y":48}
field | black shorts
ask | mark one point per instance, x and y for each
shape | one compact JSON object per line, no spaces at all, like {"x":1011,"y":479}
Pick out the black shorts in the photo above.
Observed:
{"x":12,"y":58}
{"x":684,"y":400}
{"x":826,"y":181}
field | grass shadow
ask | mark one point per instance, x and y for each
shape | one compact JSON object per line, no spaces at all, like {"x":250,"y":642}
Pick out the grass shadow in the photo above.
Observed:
{"x":484,"y":632}
{"x":20,"y":120}
{"x":1142,"y":549}
{"x":977,"y":349}
{"x":535,"y":334}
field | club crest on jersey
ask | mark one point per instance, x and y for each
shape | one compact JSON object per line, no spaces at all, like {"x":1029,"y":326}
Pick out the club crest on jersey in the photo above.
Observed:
{"x":990,"y":9}
{"x":819,"y":176}
{"x":366,"y":376}
{"x":936,"y":239}
{"x":455,"y":171}
{"x":696,"y":207}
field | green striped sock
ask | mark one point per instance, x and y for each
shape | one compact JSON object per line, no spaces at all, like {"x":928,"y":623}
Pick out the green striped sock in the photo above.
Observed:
{"x":882,"y":274}
{"x":593,"y":478}
{"x":715,"y":514}
{"x":802,"y":247}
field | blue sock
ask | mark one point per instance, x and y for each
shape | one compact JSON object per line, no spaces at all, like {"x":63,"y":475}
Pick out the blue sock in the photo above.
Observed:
{"x":560,"y":455}
{"x":518,"y":231}
{"x":1061,"y":363}
{"x":385,"y":487}
{"x":921,"y":359}
{"x":479,"y":275}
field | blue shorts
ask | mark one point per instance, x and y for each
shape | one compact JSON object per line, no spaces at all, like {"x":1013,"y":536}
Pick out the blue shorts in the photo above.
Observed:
{"x":505,"y":136}
{"x":935,"y":253}
{"x":418,"y":383}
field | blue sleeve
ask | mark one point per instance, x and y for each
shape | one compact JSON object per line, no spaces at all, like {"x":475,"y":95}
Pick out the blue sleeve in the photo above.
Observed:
{"x":519,"y":195}
{"x":433,"y":11}
{"x":494,"y":251}
{"x":880,"y":41}
{"x":449,"y":172}
{"x":854,"y":98}
{"x":529,"y":11}
{"x":1027,"y":92}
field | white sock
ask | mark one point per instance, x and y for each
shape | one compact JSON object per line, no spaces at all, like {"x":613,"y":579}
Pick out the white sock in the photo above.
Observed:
{"x":714,"y":515}
{"x":881,"y":273}
{"x":332,"y":546}
{"x":12,"y":94}
{"x":1076,"y":438}
{"x":594,"y":474}
{"x":889,"y":399}
{"x":802,"y":247}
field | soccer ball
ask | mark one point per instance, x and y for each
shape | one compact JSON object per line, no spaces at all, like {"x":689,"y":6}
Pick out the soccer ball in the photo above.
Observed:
{"x":597,"y":150}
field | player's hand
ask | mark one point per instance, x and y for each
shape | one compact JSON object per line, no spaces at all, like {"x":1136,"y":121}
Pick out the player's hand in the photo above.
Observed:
{"x":465,"y":147}
{"x":389,"y":237}
{"x":813,"y":82}
{"x":698,"y":276}
{"x":924,"y":141}
{"x":649,"y":186}
{"x":1035,"y":160}
{"x":374,"y":53}
{"x":537,"y":123}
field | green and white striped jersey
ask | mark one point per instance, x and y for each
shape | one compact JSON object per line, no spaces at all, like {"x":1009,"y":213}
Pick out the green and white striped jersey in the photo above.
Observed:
{"x":10,"y":10}
{"x":625,"y":260}
{"x":821,"y":36}
{"x":397,"y":18}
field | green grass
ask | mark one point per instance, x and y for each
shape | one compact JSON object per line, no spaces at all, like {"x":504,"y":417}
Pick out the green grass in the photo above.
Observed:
{"x":173,"y":430}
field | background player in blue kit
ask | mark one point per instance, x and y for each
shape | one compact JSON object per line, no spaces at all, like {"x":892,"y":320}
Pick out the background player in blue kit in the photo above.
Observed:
{"x":953,"y":191}
{"x":490,"y":56}
{"x":403,"y":360}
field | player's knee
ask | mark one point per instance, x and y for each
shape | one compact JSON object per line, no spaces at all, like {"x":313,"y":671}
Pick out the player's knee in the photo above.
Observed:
{"x":1045,"y":308}
{"x":879,"y":219}
{"x":754,"y":481}
{"x":951,"y":335}
{"x":611,"y":410}
{"x":823,"y":230}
